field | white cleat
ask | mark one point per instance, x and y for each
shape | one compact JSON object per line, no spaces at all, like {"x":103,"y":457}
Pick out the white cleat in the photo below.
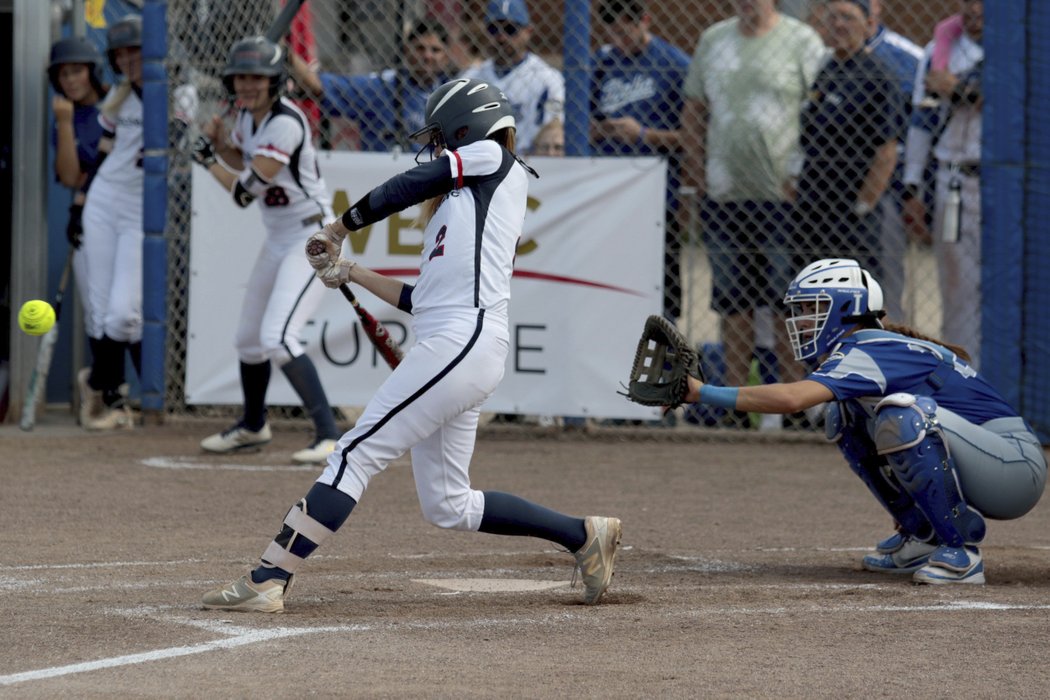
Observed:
{"x":236,"y":439}
{"x":595,"y":558}
{"x":243,"y":595}
{"x":316,"y":453}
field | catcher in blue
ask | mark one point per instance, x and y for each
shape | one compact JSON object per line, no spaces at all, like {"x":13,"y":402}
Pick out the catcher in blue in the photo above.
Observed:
{"x":935,"y":443}
{"x":473,"y":194}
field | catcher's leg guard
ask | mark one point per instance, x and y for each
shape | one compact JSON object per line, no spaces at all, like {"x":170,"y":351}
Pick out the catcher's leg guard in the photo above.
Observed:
{"x":908,"y":434}
{"x":308,"y":524}
{"x":849,"y":433}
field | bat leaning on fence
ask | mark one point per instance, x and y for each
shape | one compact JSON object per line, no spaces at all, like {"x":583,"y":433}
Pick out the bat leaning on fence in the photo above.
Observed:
{"x":38,"y":379}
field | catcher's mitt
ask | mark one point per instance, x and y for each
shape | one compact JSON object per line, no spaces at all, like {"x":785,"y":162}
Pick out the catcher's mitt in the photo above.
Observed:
{"x":661,"y":364}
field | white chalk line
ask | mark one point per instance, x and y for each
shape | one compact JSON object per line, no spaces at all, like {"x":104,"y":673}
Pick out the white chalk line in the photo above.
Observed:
{"x":243,"y":639}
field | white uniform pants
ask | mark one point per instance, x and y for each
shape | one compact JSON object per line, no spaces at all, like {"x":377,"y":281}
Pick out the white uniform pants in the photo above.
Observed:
{"x":282,"y":294}
{"x":111,"y":263}
{"x":429,"y":405}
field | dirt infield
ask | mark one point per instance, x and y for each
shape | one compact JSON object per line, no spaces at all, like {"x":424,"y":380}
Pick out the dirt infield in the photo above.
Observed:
{"x":738,"y":577}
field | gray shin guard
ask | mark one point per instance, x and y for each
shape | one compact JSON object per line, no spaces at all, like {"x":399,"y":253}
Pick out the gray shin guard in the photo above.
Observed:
{"x":908,"y":434}
{"x":861,"y":456}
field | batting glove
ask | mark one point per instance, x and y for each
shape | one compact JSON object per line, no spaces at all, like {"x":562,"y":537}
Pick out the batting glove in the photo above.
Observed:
{"x":203,"y":152}
{"x":74,"y":228}
{"x":323,"y":247}
{"x":337,"y":273}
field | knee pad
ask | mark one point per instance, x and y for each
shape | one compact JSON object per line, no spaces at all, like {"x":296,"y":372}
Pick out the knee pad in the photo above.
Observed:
{"x":908,"y":434}
{"x":850,"y":433}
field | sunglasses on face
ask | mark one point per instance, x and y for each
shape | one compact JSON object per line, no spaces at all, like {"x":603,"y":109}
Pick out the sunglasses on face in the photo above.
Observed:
{"x":508,"y":28}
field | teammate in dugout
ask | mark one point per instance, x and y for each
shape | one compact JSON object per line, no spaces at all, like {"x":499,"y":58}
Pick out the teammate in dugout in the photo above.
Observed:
{"x":473,"y":195}
{"x":935,"y":443}
{"x":109,"y":273}
{"x":272,"y":159}
{"x":75,"y":73}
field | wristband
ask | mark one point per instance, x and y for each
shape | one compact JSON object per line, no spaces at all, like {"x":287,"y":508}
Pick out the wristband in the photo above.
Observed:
{"x":721,"y":396}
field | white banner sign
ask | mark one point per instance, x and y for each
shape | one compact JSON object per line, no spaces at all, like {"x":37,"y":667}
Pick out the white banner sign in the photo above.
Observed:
{"x":588,"y":272}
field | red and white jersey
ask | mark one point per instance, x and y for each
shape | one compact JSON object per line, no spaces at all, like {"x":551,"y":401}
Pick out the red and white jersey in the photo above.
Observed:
{"x":298,"y":191}
{"x":469,"y":244}
{"x":122,"y":168}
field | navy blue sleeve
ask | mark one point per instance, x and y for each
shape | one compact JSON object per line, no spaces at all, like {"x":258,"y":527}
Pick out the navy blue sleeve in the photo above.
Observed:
{"x":400,"y":192}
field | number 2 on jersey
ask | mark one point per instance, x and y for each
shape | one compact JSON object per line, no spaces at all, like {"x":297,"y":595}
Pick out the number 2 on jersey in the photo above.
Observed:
{"x":439,"y":245}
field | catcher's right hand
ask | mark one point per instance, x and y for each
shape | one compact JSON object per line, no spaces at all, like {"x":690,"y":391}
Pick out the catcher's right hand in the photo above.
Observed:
{"x":663,"y":363}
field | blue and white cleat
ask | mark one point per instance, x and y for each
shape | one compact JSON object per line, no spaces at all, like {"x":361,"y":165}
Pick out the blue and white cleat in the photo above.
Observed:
{"x":909,"y":556}
{"x":952,"y":565}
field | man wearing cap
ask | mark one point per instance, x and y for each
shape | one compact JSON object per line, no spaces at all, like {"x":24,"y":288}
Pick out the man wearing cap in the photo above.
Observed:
{"x":536,"y":90}
{"x":850,"y":129}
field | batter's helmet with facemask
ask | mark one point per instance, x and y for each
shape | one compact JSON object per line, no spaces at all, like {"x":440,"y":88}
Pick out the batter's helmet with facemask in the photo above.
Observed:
{"x":463,"y":111}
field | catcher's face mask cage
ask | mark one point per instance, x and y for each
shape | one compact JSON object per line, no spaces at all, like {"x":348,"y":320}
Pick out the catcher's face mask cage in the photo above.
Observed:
{"x":807,"y":317}
{"x":825,"y":301}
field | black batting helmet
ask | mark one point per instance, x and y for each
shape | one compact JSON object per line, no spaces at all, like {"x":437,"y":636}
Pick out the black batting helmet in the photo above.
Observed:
{"x":75,"y":50}
{"x":463,"y":111}
{"x":126,"y":32}
{"x":255,"y":55}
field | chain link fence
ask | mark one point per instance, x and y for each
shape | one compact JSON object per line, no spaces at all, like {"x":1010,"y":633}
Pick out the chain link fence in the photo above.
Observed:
{"x":792,"y":131}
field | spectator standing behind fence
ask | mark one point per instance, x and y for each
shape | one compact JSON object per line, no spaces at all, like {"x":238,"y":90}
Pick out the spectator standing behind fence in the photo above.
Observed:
{"x":952,"y":134}
{"x":271,"y":158}
{"x":746,"y":84}
{"x":75,"y":73}
{"x":388,"y":104}
{"x":636,"y":108}
{"x":111,"y":270}
{"x":535,"y":89}
{"x":850,"y":126}
{"x":901,"y":56}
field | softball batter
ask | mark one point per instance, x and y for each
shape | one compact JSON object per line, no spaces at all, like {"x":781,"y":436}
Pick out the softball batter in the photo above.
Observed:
{"x":272,"y":159}
{"x":473,"y":195}
{"x":111,"y":251}
{"x":935,"y":443}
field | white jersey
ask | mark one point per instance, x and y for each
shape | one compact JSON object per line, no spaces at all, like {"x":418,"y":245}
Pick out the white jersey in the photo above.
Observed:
{"x":122,"y":168}
{"x":469,"y":244}
{"x":536,"y":92}
{"x":960,"y":141}
{"x":297,"y":194}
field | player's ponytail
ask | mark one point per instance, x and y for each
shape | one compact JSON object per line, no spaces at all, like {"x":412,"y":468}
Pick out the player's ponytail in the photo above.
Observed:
{"x":959,"y":350}
{"x":111,"y":105}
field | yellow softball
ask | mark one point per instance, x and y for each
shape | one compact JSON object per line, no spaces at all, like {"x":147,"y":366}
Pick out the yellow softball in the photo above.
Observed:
{"x":36,"y":317}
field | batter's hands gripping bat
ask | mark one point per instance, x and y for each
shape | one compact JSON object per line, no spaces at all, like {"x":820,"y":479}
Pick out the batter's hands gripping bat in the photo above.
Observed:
{"x":375,"y":330}
{"x":38,"y":379}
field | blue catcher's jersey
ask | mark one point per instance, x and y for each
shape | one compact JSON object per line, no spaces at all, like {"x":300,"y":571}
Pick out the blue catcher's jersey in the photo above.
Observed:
{"x":871,"y":364}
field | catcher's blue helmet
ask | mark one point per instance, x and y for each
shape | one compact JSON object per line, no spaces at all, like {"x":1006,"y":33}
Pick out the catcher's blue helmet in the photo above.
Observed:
{"x":827,"y":299}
